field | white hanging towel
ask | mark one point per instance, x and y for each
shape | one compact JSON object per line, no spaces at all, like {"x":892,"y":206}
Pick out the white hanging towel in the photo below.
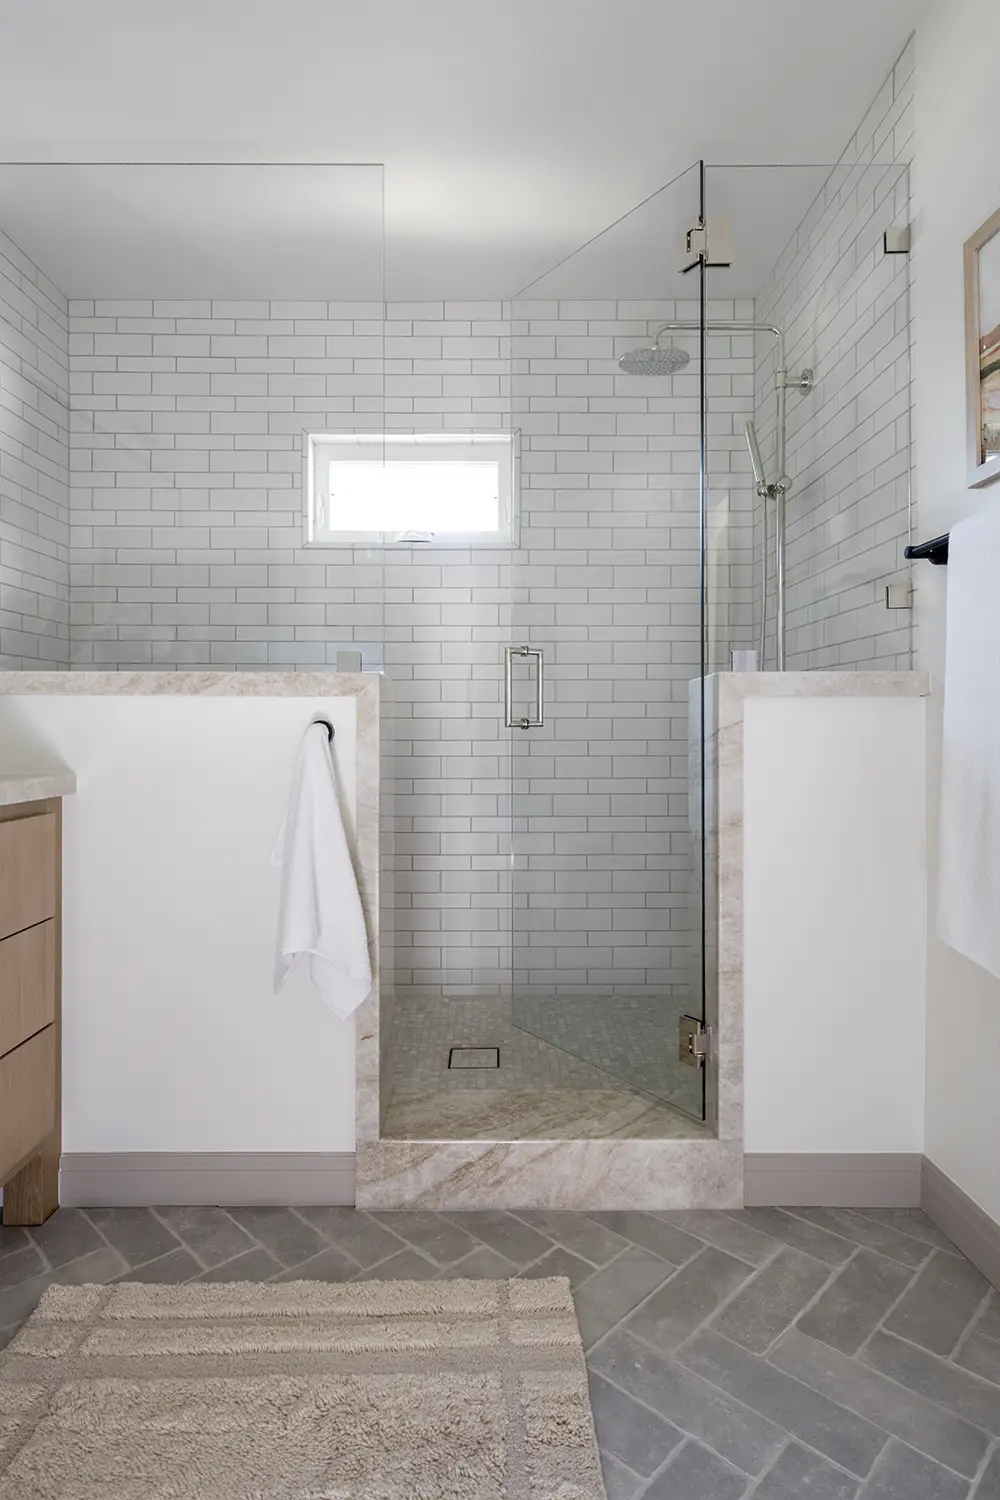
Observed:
{"x":320,"y":915}
{"x":969,"y":879}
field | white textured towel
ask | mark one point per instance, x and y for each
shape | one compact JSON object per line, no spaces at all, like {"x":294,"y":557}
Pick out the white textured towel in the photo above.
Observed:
{"x":320,"y":915}
{"x":969,"y":888}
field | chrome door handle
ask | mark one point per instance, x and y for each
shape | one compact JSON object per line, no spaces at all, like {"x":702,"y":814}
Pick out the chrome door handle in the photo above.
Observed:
{"x":508,"y":679}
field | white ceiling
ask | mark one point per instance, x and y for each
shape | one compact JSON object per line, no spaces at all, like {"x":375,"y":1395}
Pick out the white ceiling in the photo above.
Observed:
{"x":512,"y":131}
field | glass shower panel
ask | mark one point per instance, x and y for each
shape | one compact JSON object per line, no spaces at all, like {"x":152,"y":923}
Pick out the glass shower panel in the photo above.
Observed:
{"x":809,"y":261}
{"x":195,"y":321}
{"x":606,"y":631}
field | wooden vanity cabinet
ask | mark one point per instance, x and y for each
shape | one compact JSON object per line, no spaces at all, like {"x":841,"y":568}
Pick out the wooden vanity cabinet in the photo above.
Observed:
{"x":30,"y":1010}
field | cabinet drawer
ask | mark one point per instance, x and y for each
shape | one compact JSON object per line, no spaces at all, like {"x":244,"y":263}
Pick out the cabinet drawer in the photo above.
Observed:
{"x":27,"y":1098}
{"x":27,"y":872}
{"x":27,"y":984}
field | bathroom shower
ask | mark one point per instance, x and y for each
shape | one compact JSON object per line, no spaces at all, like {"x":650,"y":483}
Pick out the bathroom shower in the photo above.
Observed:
{"x":657,"y":359}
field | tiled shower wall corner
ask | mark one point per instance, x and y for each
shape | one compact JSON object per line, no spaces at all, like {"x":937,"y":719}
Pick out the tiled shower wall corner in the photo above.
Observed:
{"x":34,"y":466}
{"x":845,"y":309}
{"x":187,"y":533}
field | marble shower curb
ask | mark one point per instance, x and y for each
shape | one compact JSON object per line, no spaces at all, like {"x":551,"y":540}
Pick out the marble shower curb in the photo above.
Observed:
{"x":550,"y":1174}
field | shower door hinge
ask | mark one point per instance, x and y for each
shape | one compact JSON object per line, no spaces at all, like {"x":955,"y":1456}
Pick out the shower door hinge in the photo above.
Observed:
{"x":694,"y":1042}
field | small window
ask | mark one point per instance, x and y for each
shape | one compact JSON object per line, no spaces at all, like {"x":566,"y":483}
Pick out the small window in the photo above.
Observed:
{"x":417,"y":489}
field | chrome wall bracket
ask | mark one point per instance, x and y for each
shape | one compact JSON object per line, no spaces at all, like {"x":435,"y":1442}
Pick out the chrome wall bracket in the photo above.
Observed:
{"x":803,"y":381}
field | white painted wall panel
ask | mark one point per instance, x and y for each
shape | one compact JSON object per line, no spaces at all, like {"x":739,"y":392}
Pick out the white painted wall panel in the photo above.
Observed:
{"x":173,"y":1037}
{"x":834,"y":891}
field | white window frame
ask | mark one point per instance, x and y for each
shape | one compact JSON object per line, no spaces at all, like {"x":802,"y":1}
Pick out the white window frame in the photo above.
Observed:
{"x":319,"y":447}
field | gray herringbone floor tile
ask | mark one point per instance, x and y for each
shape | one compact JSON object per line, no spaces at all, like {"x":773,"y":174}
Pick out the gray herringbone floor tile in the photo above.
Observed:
{"x":921,"y":1423}
{"x":135,"y":1233}
{"x":209,"y":1233}
{"x":940,"y":1304}
{"x":857,"y":1299}
{"x":844,"y":1437}
{"x":775,"y":1354}
{"x":802,"y":1475}
{"x":765,"y":1306}
{"x":687,"y":1299}
{"x":872,"y":1233}
{"x":694,"y":1473}
{"x":900,"y":1471}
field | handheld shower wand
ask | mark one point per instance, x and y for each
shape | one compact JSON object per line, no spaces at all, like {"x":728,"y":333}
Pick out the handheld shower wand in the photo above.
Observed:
{"x":757,"y":463}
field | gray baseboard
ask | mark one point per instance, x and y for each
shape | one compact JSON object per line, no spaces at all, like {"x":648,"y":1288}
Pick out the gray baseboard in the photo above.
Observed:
{"x":962,"y":1220}
{"x":844,"y":1180}
{"x":136,"y":1179}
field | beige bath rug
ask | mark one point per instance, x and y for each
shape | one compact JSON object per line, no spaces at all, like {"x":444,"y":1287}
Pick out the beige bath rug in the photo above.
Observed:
{"x":376,"y":1390}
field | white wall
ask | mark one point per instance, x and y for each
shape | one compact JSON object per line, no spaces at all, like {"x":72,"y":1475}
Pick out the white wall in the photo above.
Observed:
{"x":173,"y":1038}
{"x":834,"y":893}
{"x":956,"y":188}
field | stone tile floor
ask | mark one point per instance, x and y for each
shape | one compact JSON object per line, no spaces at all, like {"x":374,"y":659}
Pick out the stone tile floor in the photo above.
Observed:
{"x":810,"y":1354}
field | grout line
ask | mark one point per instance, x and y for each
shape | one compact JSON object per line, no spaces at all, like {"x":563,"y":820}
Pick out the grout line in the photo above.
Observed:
{"x":758,"y":1482}
{"x":880,"y":1325}
{"x":180,"y":1238}
{"x":689,"y":1441}
{"x":328,"y":1243}
{"x":948,"y":1363}
{"x":992,"y":1448}
{"x":642,"y":1302}
{"x":794,"y":1213}
{"x":254,"y":1241}
{"x":970,"y":1327}
{"x":888,"y":1313}
{"x":858,"y":1416}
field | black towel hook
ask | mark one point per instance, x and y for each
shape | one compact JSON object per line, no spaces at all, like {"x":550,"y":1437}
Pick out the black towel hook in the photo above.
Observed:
{"x":325,"y":724}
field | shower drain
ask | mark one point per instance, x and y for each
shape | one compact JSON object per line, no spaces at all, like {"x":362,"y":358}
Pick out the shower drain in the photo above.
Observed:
{"x":474,"y":1057}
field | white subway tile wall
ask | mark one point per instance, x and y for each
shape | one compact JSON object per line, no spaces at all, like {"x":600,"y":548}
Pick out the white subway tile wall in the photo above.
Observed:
{"x":34,"y":466}
{"x":844,"y":305}
{"x":186,"y":483}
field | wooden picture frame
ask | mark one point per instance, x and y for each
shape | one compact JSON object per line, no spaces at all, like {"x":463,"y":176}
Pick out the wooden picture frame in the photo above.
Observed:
{"x":982,"y":351}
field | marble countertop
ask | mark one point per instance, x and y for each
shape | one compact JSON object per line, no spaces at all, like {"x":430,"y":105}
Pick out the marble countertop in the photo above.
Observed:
{"x":824,"y":684}
{"x":193,"y":684}
{"x":727,"y":693}
{"x":35,"y":786}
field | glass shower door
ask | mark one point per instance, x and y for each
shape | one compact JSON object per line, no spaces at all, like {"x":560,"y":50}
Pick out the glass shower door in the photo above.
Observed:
{"x":604,"y":668}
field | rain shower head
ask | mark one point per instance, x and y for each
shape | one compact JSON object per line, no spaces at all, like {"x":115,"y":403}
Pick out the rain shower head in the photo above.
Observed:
{"x":654,"y":360}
